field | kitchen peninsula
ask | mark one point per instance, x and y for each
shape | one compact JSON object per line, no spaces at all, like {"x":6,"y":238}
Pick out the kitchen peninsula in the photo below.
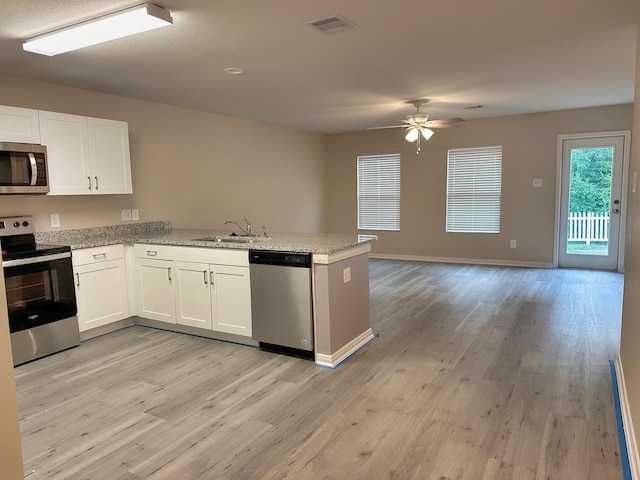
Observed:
{"x":340,"y":276}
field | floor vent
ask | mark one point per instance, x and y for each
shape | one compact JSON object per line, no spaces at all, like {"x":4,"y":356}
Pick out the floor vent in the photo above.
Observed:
{"x":332,"y":24}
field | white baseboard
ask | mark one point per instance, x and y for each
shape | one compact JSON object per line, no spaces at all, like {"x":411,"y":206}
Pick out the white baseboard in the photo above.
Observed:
{"x":629,"y":433}
{"x":334,"y":359}
{"x":470,"y":261}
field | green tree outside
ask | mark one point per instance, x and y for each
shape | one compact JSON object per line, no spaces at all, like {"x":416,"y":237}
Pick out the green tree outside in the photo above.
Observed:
{"x":591,"y":175}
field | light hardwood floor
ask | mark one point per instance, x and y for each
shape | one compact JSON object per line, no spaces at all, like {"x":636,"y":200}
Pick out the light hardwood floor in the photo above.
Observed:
{"x":483,"y":373}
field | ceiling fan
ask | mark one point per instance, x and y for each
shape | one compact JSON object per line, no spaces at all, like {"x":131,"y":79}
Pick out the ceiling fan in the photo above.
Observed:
{"x":418,"y":124}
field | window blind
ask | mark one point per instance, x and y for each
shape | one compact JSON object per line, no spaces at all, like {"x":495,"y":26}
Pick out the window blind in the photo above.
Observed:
{"x":474,"y":182}
{"x":379,"y":192}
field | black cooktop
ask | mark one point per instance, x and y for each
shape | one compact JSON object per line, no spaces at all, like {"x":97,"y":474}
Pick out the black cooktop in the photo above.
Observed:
{"x":34,"y":251}
{"x":24,"y":246}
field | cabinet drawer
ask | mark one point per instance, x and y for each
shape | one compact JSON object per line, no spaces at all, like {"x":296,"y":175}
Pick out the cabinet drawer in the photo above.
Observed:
{"x":160,"y":252}
{"x":86,"y":256}
{"x":217,"y":256}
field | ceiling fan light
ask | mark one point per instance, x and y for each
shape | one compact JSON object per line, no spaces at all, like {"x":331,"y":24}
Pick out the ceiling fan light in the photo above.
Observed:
{"x":426,"y":133}
{"x":412,"y":135}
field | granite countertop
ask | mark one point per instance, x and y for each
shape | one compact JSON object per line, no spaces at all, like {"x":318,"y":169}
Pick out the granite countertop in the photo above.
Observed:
{"x":161,"y":233}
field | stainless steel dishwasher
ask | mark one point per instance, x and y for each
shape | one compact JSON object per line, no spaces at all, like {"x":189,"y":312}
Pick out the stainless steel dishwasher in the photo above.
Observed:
{"x":281,"y":307}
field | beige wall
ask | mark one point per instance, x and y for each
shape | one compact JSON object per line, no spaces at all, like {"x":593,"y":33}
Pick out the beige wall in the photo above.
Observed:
{"x":10,"y":447}
{"x":629,"y":350}
{"x":341,"y":308}
{"x":194,"y":168}
{"x":528,"y":215}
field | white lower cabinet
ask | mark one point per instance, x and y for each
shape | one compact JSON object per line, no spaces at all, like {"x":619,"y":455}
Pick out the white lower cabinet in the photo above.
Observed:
{"x":153,"y":276}
{"x":231,"y":299}
{"x":193,"y":303}
{"x":215,"y":295}
{"x":101,"y":286}
{"x":204,"y":288}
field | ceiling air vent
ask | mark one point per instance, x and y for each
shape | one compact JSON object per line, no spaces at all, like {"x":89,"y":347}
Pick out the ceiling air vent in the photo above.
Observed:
{"x":332,"y":24}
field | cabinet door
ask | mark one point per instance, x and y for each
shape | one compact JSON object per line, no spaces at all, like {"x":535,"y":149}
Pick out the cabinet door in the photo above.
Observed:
{"x":231,"y":299}
{"x":109,"y":153}
{"x":155,"y":290}
{"x":19,"y":125}
{"x":193,"y":303}
{"x":67,"y":152}
{"x":95,"y":308}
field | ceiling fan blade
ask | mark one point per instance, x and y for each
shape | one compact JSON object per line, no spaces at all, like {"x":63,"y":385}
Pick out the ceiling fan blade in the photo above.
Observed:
{"x":388,"y":126}
{"x":445,"y":123}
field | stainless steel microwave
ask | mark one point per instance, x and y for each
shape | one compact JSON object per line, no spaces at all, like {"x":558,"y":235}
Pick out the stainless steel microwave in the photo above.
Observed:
{"x":23,"y":168}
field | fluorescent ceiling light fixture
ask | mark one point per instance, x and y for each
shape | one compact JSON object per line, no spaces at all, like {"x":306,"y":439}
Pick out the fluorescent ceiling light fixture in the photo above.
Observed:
{"x":141,"y":18}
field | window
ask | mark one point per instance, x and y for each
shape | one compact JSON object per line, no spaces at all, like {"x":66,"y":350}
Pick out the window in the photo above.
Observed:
{"x":379,"y":192}
{"x":474,"y":178}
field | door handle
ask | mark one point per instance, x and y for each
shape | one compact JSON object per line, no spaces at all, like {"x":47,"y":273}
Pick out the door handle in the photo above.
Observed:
{"x":34,"y":169}
{"x":77,"y":279}
{"x":616,"y":210}
{"x":169,"y":273}
{"x":205,"y":277}
{"x":211,"y":278}
{"x":89,"y":178}
{"x":96,"y":182}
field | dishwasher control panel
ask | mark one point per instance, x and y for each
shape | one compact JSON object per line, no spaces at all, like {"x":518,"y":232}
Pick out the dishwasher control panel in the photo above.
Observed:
{"x":286,"y":259}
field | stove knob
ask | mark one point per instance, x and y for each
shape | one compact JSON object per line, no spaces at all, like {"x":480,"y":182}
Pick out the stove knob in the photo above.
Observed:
{"x":16,"y":224}
{"x":25,"y":224}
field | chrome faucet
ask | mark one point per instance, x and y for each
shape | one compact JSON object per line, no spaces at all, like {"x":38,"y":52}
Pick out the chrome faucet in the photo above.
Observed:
{"x":246,"y":231}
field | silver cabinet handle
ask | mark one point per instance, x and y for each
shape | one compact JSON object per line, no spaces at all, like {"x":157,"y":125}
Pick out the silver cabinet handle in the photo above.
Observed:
{"x":34,"y":169}
{"x":96,"y":182}
{"x":98,"y":255}
{"x":89,"y":178}
{"x":169,"y":273}
{"x":152,"y":253}
{"x":77,"y":279}
{"x":205,"y":277}
{"x":211,"y":278}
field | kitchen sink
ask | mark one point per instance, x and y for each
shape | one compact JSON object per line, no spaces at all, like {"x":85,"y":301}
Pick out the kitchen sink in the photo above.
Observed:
{"x":230,"y":239}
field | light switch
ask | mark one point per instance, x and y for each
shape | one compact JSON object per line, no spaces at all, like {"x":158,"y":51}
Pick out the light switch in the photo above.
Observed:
{"x":55,"y":220}
{"x":125,"y":214}
{"x":135,"y":214}
{"x":537,"y":182}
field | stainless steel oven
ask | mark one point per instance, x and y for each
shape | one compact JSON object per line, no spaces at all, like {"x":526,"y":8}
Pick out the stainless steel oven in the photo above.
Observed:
{"x":40,"y":293}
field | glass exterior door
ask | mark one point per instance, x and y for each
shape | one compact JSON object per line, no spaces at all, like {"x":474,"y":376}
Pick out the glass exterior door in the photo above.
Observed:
{"x":591,"y":202}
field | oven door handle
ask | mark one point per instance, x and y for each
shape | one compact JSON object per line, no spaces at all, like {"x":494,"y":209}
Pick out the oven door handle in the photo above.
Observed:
{"x":34,"y":169}
{"x":31,"y":260}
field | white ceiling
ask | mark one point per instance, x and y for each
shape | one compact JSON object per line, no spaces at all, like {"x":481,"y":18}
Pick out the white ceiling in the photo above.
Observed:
{"x":512,"y":56}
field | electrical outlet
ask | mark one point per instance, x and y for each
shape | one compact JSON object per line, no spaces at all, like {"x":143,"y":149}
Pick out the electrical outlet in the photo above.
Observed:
{"x":513,"y":244}
{"x":55,"y":220}
{"x":346,"y":274}
{"x":537,"y":182}
{"x":135,"y":214}
{"x":125,"y":214}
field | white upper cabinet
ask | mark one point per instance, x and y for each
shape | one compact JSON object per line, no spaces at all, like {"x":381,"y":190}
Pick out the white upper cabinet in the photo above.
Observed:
{"x":109,"y":154}
{"x":67,"y":142}
{"x":86,"y":156}
{"x":19,"y":125}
